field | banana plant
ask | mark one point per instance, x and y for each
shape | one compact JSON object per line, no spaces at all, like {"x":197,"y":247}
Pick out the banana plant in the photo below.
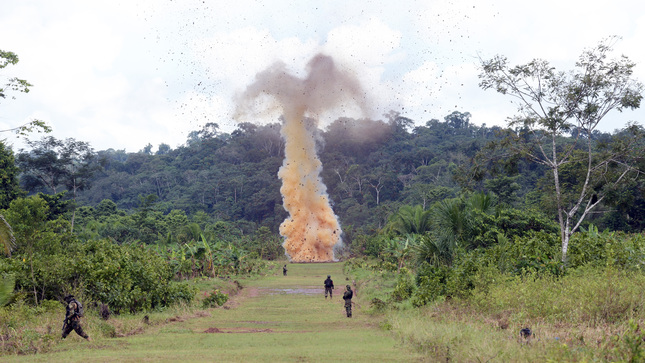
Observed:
{"x":209,"y":255}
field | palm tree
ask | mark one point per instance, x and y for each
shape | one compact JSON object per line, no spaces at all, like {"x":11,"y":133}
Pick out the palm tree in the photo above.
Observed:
{"x":483,"y":202}
{"x":436,"y":251}
{"x":7,"y":240}
{"x":452,"y":221}
{"x":453,"y":218}
{"x":411,"y":220}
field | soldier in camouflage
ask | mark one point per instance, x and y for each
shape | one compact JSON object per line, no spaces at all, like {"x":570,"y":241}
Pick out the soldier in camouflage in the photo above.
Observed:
{"x":329,"y":287}
{"x":347,"y":296}
{"x":73,"y":314}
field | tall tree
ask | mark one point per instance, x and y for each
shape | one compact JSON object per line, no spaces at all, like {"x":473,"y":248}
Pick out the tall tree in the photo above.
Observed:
{"x":551,"y":104}
{"x":9,"y":186}
{"x":52,"y":163}
{"x":15,"y":84}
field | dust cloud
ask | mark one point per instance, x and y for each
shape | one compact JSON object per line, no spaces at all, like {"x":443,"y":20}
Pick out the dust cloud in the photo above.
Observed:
{"x":312,"y":229}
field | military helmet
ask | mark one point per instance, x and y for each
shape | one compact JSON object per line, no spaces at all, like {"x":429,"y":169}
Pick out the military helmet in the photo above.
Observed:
{"x":328,"y":275}
{"x":68,"y":298}
{"x":349,"y":287}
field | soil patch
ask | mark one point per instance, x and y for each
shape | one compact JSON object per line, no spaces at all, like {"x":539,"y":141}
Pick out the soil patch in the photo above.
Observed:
{"x":212,"y":330}
{"x":242,"y":295}
{"x":237,"y":330}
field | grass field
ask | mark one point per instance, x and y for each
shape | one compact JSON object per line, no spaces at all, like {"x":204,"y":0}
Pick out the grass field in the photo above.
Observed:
{"x":273,"y":319}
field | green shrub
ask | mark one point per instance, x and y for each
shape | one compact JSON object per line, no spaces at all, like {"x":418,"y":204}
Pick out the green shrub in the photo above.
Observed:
{"x":378,"y":305}
{"x":127,"y":278}
{"x":214,"y":299}
{"x":633,"y":343}
{"x":431,"y":284}
{"x":618,"y":249}
{"x":106,"y":329}
{"x":404,"y":287}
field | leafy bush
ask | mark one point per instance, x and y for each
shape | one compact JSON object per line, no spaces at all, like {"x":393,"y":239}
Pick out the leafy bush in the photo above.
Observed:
{"x":403,"y":288}
{"x":431,"y":284}
{"x":127,"y":278}
{"x":536,"y":251}
{"x":214,"y":299}
{"x":478,"y":269}
{"x":509,"y":222}
{"x":618,"y":249}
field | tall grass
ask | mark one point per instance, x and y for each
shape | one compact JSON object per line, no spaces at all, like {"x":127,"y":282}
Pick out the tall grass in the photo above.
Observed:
{"x":589,"y":314}
{"x":593,"y":296}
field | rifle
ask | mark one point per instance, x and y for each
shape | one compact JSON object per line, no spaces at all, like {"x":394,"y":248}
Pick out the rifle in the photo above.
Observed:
{"x":65,"y":324}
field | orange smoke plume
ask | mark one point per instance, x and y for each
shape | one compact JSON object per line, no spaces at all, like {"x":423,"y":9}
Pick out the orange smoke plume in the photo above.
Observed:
{"x":312,"y":230}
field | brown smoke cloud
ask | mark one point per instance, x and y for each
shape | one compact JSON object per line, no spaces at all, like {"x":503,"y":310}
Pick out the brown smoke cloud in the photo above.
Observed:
{"x":312,"y":230}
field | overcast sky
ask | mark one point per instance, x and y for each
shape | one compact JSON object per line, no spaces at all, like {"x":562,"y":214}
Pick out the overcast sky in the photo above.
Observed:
{"x":122,"y":74}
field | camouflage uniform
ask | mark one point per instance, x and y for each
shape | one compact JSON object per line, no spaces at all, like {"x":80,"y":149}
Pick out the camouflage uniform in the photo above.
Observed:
{"x":347,"y":296}
{"x":329,"y":286}
{"x":72,"y":320}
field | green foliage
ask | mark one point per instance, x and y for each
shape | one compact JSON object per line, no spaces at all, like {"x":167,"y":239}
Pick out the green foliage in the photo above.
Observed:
{"x":7,"y":239}
{"x":19,"y":327}
{"x":536,"y":251}
{"x":436,"y":251}
{"x":126,"y":277}
{"x":214,"y":299}
{"x":50,"y":262}
{"x":410,"y":220}
{"x":13,"y":83}
{"x":264,"y":244}
{"x":53,"y":163}
{"x":621,"y":250}
{"x":431,"y":283}
{"x":478,"y":269}
{"x":633,"y":344}
{"x":7,"y":283}
{"x":9,"y":186}
{"x":404,"y":287}
{"x":375,"y":244}
{"x":400,"y":249}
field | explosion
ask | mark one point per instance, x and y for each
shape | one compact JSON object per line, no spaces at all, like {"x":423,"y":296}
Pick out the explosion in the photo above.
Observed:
{"x":312,"y":230}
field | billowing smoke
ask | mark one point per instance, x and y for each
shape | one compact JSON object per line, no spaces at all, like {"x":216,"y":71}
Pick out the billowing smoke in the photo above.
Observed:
{"x":312,"y":230}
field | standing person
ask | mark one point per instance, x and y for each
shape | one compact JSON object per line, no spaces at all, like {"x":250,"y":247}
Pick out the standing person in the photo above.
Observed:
{"x":284,"y":270}
{"x":329,"y":286}
{"x":347,"y":296}
{"x":73,"y":315}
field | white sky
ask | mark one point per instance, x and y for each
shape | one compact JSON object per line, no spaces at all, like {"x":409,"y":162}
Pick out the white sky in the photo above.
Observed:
{"x":122,"y":74}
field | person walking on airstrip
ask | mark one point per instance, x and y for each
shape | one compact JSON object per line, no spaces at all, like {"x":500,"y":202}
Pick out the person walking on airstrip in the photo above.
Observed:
{"x":347,"y":296}
{"x":329,"y":286}
{"x":73,"y":315}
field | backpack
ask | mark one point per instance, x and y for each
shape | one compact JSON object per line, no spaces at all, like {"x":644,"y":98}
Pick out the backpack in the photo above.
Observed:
{"x":79,"y":309}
